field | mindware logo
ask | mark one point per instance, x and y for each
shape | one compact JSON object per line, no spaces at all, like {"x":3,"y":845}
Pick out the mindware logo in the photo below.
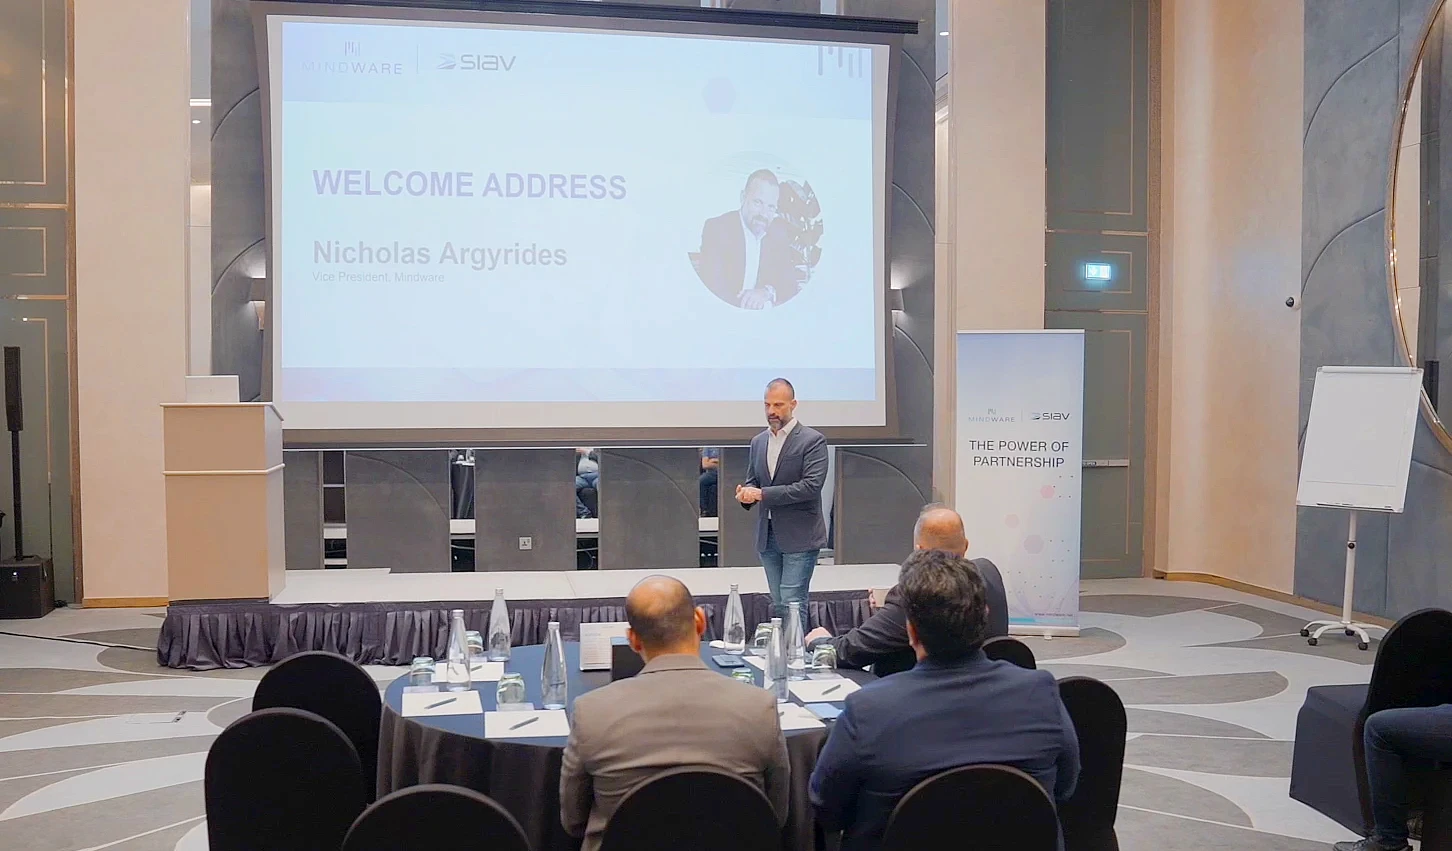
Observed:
{"x":475,"y":62}
{"x":353,"y":62}
{"x":993,"y":416}
{"x":848,"y":61}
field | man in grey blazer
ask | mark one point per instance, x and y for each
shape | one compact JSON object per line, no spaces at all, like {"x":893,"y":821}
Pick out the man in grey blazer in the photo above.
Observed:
{"x":785,"y":472}
{"x":676,"y":713}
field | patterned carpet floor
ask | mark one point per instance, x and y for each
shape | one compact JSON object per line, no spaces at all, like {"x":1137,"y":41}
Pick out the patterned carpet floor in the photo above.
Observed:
{"x":102,"y":749}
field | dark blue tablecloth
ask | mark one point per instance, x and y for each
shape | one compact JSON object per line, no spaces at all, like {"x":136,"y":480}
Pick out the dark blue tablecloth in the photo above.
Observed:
{"x":524,"y":774}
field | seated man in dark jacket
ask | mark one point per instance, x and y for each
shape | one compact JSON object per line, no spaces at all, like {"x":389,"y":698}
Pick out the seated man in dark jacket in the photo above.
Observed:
{"x":956,"y":707}
{"x":882,"y":639}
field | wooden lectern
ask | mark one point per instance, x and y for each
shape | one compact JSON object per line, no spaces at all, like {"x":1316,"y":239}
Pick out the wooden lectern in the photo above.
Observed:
{"x":224,"y":527}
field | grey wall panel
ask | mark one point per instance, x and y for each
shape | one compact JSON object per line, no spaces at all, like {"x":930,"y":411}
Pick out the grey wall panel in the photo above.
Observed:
{"x":524,"y":493}
{"x":1357,"y":53}
{"x":238,"y":193}
{"x":1097,"y":147}
{"x":302,"y":509}
{"x":880,"y":490}
{"x":877,"y":507}
{"x":35,"y":310}
{"x":398,"y":510}
{"x":650,"y":505}
{"x":1418,"y":572}
{"x":738,"y":526}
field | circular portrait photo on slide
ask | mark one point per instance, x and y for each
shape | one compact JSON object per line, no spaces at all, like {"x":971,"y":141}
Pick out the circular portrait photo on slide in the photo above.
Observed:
{"x":761,"y":254}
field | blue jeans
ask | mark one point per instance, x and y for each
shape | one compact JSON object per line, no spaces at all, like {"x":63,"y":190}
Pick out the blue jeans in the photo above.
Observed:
{"x":788,"y":575}
{"x":1398,"y":742}
{"x":582,"y":481}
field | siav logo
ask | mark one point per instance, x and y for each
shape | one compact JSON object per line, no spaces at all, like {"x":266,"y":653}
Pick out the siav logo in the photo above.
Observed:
{"x":475,"y":62}
{"x":1049,"y":415}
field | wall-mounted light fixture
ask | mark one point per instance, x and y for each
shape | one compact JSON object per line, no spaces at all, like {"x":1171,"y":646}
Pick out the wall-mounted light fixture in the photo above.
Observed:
{"x":894,"y":300}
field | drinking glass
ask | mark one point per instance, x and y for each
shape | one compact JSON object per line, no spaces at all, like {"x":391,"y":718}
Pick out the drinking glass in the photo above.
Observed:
{"x":475,"y":642}
{"x":511,"y":692}
{"x":824,"y":661}
{"x":745,"y":675}
{"x":421,"y":672}
{"x":761,"y":640}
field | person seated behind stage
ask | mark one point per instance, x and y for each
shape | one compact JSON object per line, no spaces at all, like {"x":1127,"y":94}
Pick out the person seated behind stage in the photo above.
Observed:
{"x":587,"y":475}
{"x":675,"y":713}
{"x":1398,"y":743}
{"x":710,"y":475}
{"x":882,"y":639}
{"x":956,"y":707}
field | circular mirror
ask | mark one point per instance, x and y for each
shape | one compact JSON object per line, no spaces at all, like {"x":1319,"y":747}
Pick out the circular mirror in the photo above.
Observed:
{"x":1419,"y":236}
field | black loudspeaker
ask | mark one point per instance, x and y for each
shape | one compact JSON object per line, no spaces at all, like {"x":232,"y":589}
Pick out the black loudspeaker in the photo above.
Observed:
{"x":14,"y":410}
{"x":27,"y":588}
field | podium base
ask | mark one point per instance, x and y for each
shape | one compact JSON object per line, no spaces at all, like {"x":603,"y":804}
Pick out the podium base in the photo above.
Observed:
{"x":27,"y":588}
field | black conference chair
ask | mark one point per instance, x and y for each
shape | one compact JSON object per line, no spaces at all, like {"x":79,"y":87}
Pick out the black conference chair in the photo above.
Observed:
{"x":1413,"y":667}
{"x":1098,"y":715}
{"x":698,"y":809}
{"x":982,"y":807}
{"x":437,"y":816}
{"x":1010,"y":649}
{"x":283,"y":780}
{"x":336,"y":688}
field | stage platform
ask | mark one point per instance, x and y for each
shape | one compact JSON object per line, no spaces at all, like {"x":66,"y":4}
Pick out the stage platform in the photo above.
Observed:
{"x":379,"y":618}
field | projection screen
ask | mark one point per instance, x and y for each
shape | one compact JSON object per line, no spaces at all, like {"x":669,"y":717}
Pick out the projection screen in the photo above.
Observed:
{"x":507,"y":227}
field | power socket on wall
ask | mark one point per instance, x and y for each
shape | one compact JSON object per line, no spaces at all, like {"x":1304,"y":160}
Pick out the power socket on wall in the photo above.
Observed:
{"x":526,"y":542}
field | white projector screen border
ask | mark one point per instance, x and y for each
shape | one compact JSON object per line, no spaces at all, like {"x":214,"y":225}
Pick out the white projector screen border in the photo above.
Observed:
{"x":693,"y":424}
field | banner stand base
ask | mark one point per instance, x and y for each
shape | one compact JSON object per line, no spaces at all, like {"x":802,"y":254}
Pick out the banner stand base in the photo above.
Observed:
{"x":1043,"y":631}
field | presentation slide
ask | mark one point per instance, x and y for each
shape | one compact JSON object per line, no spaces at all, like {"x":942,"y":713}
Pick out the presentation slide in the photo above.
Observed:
{"x":486,"y":226}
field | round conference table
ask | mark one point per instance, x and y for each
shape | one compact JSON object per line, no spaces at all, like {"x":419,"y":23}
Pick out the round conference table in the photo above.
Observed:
{"x":523,"y":775}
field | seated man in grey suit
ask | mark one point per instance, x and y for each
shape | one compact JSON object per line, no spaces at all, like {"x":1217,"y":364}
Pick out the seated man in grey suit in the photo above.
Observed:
{"x":882,"y":639}
{"x":676,"y":713}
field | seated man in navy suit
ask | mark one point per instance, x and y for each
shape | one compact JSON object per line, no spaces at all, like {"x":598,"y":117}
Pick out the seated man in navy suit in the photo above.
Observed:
{"x":882,"y":640}
{"x":955,"y":708}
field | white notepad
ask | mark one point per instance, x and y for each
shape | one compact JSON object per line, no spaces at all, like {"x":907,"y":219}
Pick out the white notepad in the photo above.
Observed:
{"x":756,"y":662}
{"x":795,"y":717}
{"x":479,"y":672}
{"x":595,"y":643}
{"x":425,"y":704}
{"x":526,"y":725}
{"x":822,"y":691}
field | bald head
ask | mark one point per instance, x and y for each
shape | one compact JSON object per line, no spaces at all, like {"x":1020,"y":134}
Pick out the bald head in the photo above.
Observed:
{"x":663,"y":617}
{"x":940,"y":528}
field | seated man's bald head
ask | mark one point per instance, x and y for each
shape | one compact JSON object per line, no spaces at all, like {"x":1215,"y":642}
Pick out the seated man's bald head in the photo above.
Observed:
{"x":662,"y":615}
{"x":940,"y":528}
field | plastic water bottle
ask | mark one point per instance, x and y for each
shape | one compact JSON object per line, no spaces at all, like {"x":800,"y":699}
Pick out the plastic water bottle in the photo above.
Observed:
{"x":734,"y":632}
{"x":776,"y":673}
{"x":456,"y":668}
{"x":796,"y":645}
{"x":498,"y":644}
{"x":554,"y":680}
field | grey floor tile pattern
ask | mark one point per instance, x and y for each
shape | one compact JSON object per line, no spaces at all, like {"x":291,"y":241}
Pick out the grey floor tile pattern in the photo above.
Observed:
{"x":101,"y":748}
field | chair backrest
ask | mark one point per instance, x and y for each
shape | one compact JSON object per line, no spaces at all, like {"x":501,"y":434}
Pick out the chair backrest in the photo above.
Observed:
{"x":983,"y":807}
{"x":436,"y":816}
{"x":1010,"y":649}
{"x":1413,"y":663}
{"x":997,"y":596}
{"x":336,"y":688}
{"x":284,"y":780}
{"x":693,"y":808}
{"x":1098,"y":715}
